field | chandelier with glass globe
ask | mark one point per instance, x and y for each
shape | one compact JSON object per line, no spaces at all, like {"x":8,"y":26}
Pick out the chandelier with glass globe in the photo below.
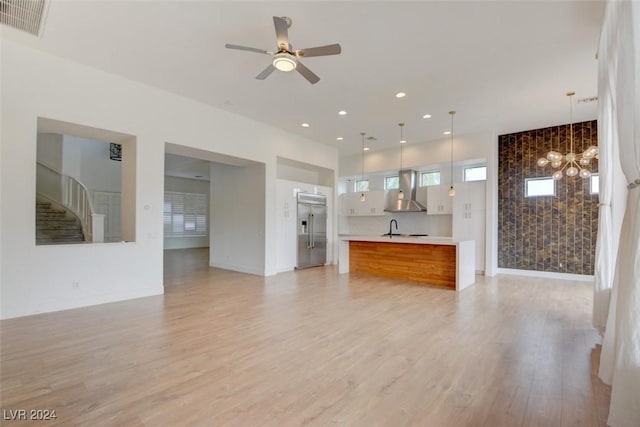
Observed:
{"x":570,"y":164}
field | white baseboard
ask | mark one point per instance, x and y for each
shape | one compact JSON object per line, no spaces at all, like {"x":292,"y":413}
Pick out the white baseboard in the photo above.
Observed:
{"x":286,"y":269}
{"x":238,"y":268}
{"x":546,"y":274}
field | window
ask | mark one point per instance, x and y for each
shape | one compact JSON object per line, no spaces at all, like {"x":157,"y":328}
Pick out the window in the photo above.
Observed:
{"x":476,"y":173}
{"x":430,"y":178}
{"x":185,"y":214}
{"x":362,"y":185}
{"x":534,"y":187}
{"x":391,"y":182}
{"x":594,"y":184}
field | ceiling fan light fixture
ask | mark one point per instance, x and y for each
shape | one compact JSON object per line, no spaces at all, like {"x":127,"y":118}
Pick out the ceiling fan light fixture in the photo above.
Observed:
{"x":284,"y":62}
{"x":285,"y":58}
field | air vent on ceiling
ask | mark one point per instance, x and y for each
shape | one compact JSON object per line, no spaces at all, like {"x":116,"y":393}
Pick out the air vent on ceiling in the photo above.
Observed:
{"x":25,"y":15}
{"x":587,"y":100}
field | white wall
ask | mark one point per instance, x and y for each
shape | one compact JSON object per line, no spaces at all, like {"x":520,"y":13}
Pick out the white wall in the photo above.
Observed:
{"x":292,"y":173}
{"x":376,"y":179}
{"x":91,"y":160}
{"x":49,"y":149}
{"x":185,"y":185}
{"x":408,"y":223}
{"x":422,"y":155}
{"x":48,"y":278}
{"x":291,"y":170}
{"x":237,"y":226}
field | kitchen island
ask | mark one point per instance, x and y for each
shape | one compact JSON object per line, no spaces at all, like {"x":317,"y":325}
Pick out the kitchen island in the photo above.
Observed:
{"x":439,"y":261}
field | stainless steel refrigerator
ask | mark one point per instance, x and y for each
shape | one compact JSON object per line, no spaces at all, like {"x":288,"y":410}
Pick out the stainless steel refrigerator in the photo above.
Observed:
{"x":312,"y":230}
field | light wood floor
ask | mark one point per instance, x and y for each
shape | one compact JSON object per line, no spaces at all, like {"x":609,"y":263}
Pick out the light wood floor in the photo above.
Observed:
{"x":312,"y":348}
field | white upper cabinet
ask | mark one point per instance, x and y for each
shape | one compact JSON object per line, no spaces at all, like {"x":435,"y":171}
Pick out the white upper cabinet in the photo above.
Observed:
{"x":469,"y":196}
{"x":438,"y":200}
{"x":372,"y":206}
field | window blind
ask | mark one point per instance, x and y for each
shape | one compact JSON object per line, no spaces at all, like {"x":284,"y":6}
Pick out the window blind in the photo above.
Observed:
{"x":185,"y":214}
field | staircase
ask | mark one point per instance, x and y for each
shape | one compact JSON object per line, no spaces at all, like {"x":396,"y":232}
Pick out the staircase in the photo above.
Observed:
{"x":56,"y":226}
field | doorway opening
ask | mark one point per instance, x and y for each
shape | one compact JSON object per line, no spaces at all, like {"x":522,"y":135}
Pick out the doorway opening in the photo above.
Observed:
{"x":214,"y":212}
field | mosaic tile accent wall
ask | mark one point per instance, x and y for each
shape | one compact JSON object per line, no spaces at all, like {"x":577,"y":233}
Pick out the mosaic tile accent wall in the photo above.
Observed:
{"x":551,"y":233}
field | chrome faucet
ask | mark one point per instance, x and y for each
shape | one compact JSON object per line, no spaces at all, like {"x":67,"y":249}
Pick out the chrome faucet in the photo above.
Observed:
{"x":390,"y":229}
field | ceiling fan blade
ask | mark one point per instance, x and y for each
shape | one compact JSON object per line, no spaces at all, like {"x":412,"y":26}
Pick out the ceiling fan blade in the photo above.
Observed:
{"x":331,"y":49}
{"x":282,"y":31}
{"x":250,"y":49}
{"x":307,"y":73}
{"x":266,"y":72}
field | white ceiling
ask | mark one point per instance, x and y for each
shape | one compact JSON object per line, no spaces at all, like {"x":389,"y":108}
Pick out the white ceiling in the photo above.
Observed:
{"x":504,"y":66}
{"x":186,"y":167}
{"x":186,"y":162}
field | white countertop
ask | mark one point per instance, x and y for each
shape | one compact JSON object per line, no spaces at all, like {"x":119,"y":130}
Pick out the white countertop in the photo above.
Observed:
{"x":422,"y":240}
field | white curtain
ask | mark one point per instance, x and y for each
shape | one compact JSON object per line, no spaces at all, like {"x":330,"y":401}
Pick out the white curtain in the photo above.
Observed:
{"x":620,"y":358}
{"x":608,"y":169}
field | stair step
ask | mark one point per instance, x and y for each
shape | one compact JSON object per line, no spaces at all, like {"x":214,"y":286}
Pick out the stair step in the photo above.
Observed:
{"x":60,"y":231}
{"x":58,"y":235}
{"x":41,"y":209}
{"x":56,"y":226}
{"x":50,"y":214}
{"x":62,"y":221}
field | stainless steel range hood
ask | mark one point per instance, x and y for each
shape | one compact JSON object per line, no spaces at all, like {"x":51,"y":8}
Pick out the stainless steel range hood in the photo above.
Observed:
{"x":407,"y":185}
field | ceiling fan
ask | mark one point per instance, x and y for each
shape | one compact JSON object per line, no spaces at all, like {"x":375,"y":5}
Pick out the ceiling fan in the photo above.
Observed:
{"x":287,"y":59}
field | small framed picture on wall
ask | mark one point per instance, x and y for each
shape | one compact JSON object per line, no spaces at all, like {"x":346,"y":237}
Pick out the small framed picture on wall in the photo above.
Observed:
{"x":115,"y":152}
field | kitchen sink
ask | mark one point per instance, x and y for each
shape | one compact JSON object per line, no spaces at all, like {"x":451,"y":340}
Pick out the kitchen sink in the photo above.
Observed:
{"x":403,"y":235}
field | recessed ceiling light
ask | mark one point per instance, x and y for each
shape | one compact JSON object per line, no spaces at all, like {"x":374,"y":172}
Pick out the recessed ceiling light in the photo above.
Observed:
{"x":342,"y":113}
{"x":403,"y":141}
{"x":426,"y":116}
{"x":339,"y":138}
{"x":366,"y":148}
{"x":305,"y":125}
{"x":400,"y":95}
{"x":446,"y":132}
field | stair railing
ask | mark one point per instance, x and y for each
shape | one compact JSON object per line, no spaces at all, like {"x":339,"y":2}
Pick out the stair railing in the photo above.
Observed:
{"x":73,"y":195}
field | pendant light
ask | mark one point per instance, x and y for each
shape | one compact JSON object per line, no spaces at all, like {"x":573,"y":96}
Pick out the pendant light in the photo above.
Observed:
{"x":362,"y":195}
{"x":402,"y":141}
{"x":575,"y":164}
{"x":452,"y":191}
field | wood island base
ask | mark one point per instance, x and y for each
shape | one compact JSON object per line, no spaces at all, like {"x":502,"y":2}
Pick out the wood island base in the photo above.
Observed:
{"x":438,"y":261}
{"x":432,"y":264}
